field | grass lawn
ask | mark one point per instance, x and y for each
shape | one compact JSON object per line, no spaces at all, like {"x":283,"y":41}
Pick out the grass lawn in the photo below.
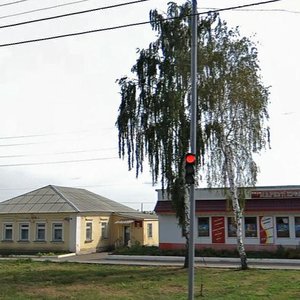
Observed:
{"x":24,"y":279}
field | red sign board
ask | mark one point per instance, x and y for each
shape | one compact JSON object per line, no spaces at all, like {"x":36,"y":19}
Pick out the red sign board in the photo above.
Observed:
{"x":276,"y":194}
{"x":218,"y":230}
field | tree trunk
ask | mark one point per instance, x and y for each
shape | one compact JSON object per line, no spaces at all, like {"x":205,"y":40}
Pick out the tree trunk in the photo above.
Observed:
{"x":239,"y":229}
{"x":238,"y":213}
{"x":186,"y":254}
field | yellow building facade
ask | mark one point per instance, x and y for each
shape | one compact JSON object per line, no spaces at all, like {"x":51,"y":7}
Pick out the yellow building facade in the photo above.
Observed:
{"x":61,"y":219}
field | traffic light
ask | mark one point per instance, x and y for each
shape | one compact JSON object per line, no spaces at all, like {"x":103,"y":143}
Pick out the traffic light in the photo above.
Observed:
{"x":190,"y":162}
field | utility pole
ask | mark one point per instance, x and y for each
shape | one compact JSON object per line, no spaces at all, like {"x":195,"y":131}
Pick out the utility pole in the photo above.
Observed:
{"x":193,"y":137}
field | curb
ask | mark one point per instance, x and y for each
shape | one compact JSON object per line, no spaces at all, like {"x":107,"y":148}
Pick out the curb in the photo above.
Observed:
{"x":200,"y":259}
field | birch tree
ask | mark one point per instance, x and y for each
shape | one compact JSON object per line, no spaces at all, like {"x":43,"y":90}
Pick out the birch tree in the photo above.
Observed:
{"x":234,"y":115}
{"x":154,"y":114}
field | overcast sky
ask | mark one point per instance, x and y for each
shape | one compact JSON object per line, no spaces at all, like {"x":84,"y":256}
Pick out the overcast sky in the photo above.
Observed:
{"x":59,"y":98}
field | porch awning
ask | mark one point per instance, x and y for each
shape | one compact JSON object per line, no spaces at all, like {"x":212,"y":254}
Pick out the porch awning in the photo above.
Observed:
{"x":124,"y":222}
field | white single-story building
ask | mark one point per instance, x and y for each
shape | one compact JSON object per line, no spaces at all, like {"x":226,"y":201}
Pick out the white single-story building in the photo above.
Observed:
{"x":54,"y":219}
{"x":271,"y":218}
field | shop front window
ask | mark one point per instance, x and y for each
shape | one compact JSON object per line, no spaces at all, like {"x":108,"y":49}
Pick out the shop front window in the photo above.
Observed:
{"x":297,"y":227}
{"x":282,"y":227}
{"x":250,"y":227}
{"x":231,"y":227}
{"x":203,"y":226}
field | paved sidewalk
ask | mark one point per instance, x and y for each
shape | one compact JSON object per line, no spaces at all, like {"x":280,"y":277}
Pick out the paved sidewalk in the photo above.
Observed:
{"x":221,"y":262}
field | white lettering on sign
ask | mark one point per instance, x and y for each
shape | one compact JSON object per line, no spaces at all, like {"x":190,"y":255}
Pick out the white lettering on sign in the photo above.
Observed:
{"x":276,"y":194}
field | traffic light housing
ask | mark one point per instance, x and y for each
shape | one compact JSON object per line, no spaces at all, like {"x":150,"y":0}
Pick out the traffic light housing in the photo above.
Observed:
{"x":190,"y":162}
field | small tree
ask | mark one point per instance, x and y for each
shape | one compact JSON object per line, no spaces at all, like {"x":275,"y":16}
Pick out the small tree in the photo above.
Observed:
{"x":154,"y":115}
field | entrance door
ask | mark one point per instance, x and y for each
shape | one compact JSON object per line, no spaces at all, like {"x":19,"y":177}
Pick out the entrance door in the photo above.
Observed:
{"x":126,"y":235}
{"x":218,"y":230}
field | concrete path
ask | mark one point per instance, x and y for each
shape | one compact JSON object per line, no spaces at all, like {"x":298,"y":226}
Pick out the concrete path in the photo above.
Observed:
{"x":221,"y":262}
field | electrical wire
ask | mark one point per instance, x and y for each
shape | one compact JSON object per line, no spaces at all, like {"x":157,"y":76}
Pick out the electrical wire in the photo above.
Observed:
{"x":58,"y":162}
{"x":41,"y":9}
{"x":262,"y":10}
{"x":58,"y":153}
{"x":77,"y":186}
{"x":37,"y":143}
{"x":50,"y":134}
{"x":128,"y":25}
{"x":72,"y":14}
{"x":11,"y":3}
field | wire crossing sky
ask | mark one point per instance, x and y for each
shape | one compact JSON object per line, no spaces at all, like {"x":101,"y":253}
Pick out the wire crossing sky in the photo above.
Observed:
{"x":108,"y":28}
{"x":59,"y":99}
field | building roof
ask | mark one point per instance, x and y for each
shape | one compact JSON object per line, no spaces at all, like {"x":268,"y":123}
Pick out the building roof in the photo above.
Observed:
{"x":54,"y":199}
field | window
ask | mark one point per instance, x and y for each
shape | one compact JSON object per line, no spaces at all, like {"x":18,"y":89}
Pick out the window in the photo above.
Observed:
{"x":89,"y":231}
{"x":250,"y":227}
{"x":297,"y":226}
{"x":149,"y":230}
{"x":24,"y":232}
{"x":282,"y":227}
{"x":40,"y":232}
{"x":231,"y":227}
{"x":104,"y":230}
{"x":203,"y":226}
{"x":8,"y":232}
{"x":57,"y":232}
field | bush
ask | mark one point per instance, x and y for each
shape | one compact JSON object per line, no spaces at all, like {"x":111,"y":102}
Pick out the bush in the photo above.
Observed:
{"x":137,"y":249}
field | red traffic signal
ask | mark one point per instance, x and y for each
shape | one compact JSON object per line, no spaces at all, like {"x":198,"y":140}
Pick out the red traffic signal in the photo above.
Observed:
{"x":190,"y":158}
{"x":190,"y":161}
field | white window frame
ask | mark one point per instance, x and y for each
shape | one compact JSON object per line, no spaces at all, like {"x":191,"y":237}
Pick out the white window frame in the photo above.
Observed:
{"x":23,"y":227}
{"x":37,"y":231}
{"x":149,"y":230}
{"x":104,"y":229}
{"x":11,"y":225}
{"x":89,"y":231}
{"x":58,"y":228}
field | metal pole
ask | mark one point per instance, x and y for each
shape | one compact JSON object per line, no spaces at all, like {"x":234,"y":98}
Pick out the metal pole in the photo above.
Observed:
{"x":193,"y":138}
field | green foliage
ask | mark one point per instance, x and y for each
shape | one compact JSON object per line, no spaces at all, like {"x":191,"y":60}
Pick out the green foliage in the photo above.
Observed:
{"x":154,"y":116}
{"x":280,"y":252}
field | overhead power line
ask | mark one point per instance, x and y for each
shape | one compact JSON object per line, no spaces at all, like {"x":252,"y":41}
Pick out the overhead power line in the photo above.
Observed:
{"x":50,"y":134}
{"x":75,"y":186}
{"x":240,"y":6}
{"x":58,"y":153}
{"x":11,"y":3}
{"x":262,"y":10}
{"x":72,"y":14}
{"x":57,"y":162}
{"x":41,"y":9}
{"x":128,"y":25}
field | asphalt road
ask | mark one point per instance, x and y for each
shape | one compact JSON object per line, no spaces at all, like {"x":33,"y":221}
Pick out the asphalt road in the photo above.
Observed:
{"x":220,"y":262}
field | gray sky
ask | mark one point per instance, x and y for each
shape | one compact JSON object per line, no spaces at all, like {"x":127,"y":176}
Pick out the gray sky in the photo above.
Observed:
{"x":59,"y":99}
